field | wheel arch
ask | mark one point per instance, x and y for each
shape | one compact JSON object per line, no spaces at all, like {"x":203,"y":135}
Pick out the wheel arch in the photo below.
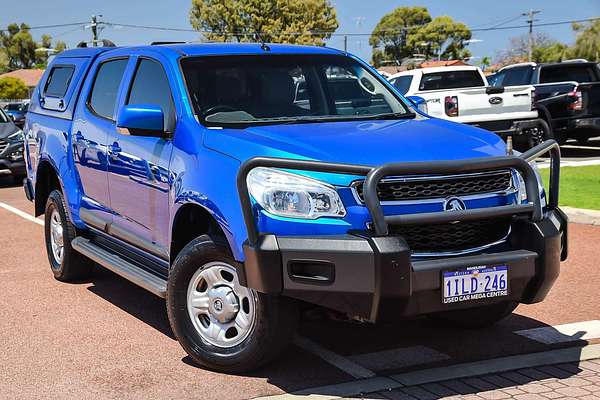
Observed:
{"x":46,"y":180}
{"x":190,"y":221}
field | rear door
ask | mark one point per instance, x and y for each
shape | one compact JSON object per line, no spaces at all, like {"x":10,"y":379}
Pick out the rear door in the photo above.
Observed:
{"x":94,"y":119}
{"x":138,"y":168}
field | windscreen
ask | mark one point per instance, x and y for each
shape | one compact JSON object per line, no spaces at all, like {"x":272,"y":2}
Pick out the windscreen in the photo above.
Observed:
{"x":281,"y":88}
{"x":451,"y":80}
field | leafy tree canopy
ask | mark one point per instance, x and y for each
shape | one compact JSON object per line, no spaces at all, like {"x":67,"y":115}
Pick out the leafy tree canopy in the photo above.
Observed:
{"x":12,"y":88}
{"x":19,"y":50}
{"x":587,"y":44}
{"x":273,"y":21}
{"x":410,"y":30}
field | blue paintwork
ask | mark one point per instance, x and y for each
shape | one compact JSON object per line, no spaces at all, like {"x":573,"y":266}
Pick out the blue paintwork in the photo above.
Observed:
{"x":141,"y":116}
{"x":137,"y":185}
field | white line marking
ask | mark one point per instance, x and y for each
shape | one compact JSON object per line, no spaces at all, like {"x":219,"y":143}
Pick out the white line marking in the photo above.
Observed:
{"x":21,"y":214}
{"x":398,"y":358}
{"x":465,"y":370}
{"x":563,"y":163}
{"x":340,"y":362}
{"x":563,"y":333}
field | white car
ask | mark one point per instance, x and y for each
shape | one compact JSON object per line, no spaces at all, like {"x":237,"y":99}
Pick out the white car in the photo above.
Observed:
{"x":462,"y":94}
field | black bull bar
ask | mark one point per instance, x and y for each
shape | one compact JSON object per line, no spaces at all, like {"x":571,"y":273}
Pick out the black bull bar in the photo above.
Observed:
{"x":374,"y":175}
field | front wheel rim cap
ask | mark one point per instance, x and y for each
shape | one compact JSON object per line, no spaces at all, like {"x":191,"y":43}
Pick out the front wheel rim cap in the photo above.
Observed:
{"x":221,"y":310}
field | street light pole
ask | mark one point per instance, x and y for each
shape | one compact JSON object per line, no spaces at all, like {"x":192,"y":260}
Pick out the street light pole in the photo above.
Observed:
{"x":530,"y":21}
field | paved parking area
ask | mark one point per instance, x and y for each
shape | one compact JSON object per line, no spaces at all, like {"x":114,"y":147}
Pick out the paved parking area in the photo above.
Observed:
{"x":106,"y":338}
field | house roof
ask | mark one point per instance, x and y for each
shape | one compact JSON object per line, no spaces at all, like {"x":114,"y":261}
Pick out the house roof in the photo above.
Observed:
{"x":31,"y":77}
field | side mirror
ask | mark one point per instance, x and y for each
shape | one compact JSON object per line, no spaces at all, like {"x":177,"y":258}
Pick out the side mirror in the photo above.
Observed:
{"x":418,"y":102}
{"x":141,"y":119}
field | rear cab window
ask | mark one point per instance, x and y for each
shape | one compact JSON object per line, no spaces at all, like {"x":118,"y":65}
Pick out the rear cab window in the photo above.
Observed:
{"x":565,"y":73}
{"x":56,"y":86}
{"x":451,"y":80}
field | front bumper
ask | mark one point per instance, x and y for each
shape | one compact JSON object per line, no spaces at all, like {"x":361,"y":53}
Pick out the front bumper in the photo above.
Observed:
{"x":372,"y":274}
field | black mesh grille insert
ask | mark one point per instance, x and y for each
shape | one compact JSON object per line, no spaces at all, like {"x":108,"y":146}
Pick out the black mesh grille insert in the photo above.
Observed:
{"x":453,"y":237}
{"x":440,"y":187}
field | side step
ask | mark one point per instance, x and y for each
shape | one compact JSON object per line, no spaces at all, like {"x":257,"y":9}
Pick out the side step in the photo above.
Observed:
{"x":119,"y":266}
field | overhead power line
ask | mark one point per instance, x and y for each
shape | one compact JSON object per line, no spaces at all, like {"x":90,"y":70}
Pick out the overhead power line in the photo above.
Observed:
{"x":250,"y":33}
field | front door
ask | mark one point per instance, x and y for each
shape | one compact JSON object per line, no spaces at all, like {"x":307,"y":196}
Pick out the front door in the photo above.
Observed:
{"x":91,"y":127}
{"x":138,"y":168}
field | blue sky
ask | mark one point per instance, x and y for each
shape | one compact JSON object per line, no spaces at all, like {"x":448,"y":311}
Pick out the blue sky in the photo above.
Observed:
{"x":354,"y":16}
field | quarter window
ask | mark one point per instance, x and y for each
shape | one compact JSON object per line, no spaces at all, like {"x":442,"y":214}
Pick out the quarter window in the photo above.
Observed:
{"x":58,"y":81}
{"x":150,"y":86}
{"x":103,"y":97}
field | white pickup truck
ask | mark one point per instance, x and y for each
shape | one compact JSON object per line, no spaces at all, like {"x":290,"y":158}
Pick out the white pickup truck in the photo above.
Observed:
{"x":462,"y":94}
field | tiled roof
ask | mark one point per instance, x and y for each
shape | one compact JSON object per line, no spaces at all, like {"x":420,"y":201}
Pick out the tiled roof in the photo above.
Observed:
{"x":31,"y":77}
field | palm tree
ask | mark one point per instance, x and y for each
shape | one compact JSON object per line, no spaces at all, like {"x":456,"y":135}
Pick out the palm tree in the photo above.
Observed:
{"x":485,"y":62}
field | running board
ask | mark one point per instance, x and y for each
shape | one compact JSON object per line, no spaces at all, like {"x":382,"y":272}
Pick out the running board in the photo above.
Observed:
{"x":119,"y":266}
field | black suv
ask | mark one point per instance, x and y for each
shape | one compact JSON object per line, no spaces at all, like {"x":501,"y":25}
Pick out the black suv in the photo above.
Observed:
{"x":11,"y":148}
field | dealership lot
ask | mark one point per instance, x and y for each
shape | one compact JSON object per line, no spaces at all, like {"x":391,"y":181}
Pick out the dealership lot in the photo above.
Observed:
{"x":106,"y":337}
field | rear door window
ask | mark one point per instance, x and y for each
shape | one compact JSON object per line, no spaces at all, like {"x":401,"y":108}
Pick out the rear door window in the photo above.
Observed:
{"x":58,"y":81}
{"x":451,"y":80}
{"x":105,"y":90}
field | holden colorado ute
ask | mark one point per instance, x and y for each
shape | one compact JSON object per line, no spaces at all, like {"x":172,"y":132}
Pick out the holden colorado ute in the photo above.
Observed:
{"x":195,"y":172}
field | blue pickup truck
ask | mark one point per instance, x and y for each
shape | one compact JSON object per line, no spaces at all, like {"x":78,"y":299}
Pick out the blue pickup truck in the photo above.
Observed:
{"x":245,"y":183}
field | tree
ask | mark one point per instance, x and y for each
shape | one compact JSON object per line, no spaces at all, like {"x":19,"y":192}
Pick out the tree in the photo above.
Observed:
{"x":485,"y":62}
{"x":19,"y":50}
{"x":443,"y":30}
{"x":409,"y":30}
{"x":545,"y":49}
{"x":3,"y":61}
{"x":587,"y":44}
{"x":19,"y":46}
{"x":12,"y":88}
{"x":390,"y":37}
{"x":273,"y":21}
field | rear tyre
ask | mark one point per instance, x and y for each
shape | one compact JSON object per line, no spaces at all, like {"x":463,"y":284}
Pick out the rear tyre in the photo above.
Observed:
{"x":222,"y":325}
{"x":66,"y":264}
{"x":475,"y":318}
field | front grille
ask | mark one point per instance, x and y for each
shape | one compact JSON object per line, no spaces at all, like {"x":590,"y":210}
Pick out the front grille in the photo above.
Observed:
{"x":3,"y":146}
{"x":453,"y":237}
{"x":440,"y":187}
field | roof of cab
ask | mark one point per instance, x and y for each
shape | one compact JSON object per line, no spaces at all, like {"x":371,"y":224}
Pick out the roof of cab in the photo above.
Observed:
{"x":208,"y":49}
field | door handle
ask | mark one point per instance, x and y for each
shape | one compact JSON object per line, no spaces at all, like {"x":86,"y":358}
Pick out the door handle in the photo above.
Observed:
{"x":78,"y":137}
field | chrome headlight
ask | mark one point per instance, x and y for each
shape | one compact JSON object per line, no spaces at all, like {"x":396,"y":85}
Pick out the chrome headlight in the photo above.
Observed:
{"x":290,"y":195}
{"x":521,"y":183}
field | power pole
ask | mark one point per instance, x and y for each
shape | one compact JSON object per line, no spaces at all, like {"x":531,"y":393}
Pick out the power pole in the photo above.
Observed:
{"x":530,"y":21}
{"x":94,"y":28}
{"x":345,"y":43}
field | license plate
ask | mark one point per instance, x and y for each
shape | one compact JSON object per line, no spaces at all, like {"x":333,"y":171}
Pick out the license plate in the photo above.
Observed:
{"x":474,"y":283}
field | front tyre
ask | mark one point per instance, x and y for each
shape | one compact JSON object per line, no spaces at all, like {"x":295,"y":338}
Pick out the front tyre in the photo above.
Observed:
{"x":66,"y":264}
{"x":222,"y":325}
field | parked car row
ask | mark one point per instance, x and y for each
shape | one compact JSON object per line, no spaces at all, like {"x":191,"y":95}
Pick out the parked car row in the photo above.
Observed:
{"x":529,"y":102}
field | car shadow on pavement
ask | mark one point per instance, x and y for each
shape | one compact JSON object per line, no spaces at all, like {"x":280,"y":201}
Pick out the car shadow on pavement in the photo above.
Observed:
{"x":297,"y":369}
{"x":8,"y":182}
{"x":132,"y":299}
